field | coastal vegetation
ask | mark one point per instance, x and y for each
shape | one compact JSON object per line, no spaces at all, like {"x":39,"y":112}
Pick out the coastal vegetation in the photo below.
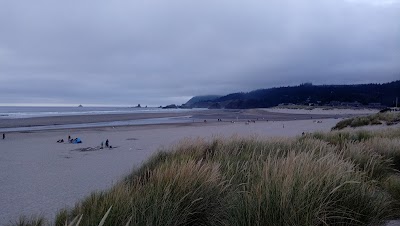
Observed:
{"x":387,"y":118}
{"x":336,"y":178}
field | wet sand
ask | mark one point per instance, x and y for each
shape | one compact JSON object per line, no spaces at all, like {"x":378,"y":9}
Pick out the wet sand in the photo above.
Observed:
{"x":77,"y":119}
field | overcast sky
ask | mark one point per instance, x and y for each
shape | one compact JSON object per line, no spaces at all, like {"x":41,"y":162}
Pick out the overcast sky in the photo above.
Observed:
{"x":157,"y":52}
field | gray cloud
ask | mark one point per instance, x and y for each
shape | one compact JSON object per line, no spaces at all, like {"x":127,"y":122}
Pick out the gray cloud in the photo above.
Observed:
{"x":160,"y":52}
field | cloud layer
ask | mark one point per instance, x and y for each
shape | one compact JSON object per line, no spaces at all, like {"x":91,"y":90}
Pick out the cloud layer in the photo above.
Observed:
{"x":159,"y":52}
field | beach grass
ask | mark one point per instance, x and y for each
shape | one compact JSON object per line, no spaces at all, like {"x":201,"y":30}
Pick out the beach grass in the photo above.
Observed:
{"x":29,"y":221}
{"x":388,"y":118}
{"x":336,"y":178}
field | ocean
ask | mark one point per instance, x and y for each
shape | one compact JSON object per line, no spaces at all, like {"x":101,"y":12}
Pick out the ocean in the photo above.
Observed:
{"x":32,"y":112}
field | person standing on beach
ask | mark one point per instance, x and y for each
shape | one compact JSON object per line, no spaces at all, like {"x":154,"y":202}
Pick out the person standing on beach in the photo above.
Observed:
{"x":4,"y":136}
{"x":107,"y":143}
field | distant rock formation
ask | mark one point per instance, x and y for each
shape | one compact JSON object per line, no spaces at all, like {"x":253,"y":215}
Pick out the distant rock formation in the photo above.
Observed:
{"x":201,"y":101}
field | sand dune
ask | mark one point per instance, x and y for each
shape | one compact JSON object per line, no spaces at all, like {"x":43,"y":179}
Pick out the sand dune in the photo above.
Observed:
{"x":40,"y":176}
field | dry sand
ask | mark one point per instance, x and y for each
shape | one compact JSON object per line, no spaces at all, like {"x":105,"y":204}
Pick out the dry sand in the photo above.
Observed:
{"x":40,"y":176}
{"x":321,"y":111}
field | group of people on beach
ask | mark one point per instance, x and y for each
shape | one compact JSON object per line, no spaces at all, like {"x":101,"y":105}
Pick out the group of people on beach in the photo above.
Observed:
{"x":71,"y":140}
{"x":78,"y":141}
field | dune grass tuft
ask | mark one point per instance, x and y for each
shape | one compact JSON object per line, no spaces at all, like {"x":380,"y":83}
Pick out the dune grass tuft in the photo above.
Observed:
{"x":388,"y":118}
{"x":30,"y":221}
{"x":178,"y":192}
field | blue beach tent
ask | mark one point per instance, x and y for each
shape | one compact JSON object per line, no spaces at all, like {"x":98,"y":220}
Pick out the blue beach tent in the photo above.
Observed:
{"x":77,"y":141}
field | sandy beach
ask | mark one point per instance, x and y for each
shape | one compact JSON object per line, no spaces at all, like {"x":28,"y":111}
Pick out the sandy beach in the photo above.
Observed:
{"x":321,"y":111}
{"x":196,"y":115}
{"x":40,"y":176}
